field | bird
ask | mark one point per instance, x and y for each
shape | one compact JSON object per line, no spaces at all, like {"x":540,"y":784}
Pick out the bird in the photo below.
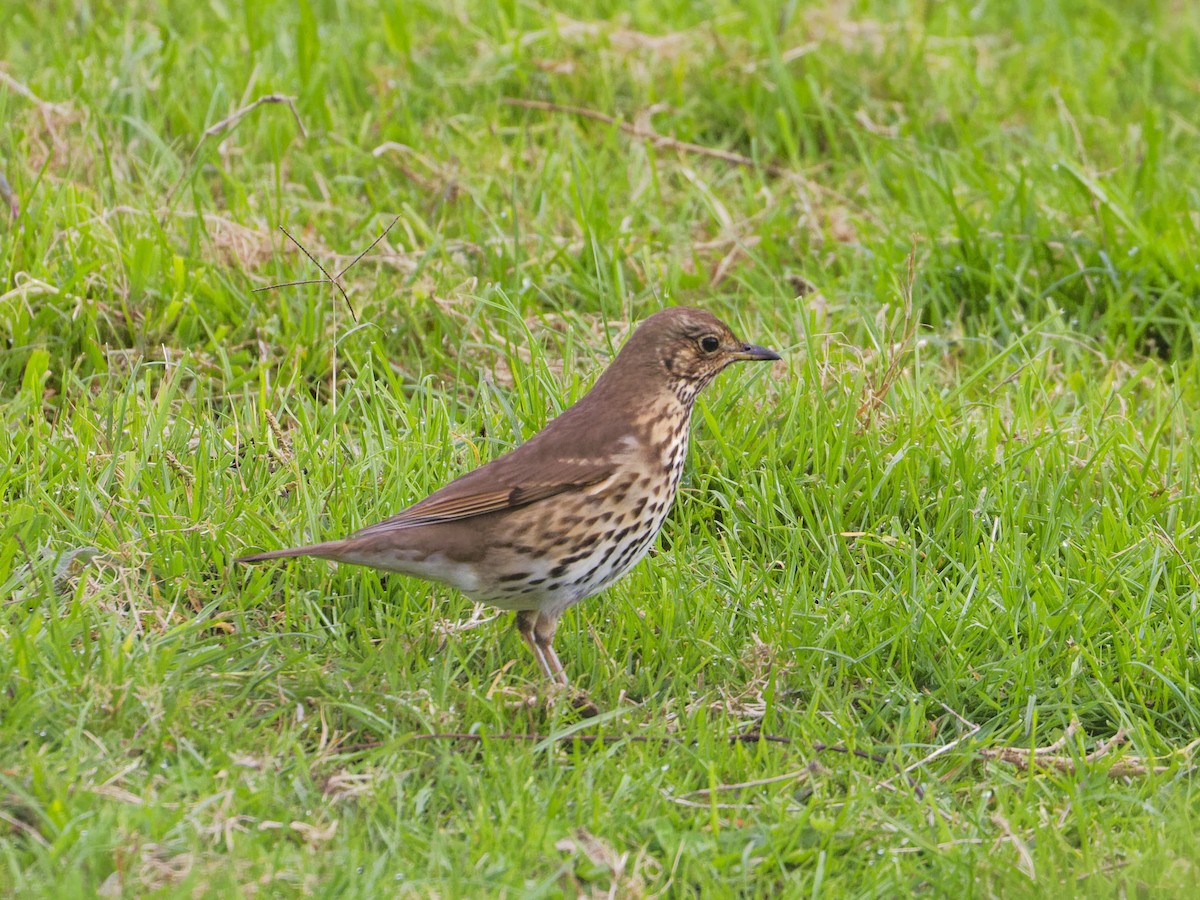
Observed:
{"x":567,"y":513}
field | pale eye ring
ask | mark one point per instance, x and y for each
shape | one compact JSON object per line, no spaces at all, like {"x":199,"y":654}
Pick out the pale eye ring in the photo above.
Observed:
{"x":709,"y":344}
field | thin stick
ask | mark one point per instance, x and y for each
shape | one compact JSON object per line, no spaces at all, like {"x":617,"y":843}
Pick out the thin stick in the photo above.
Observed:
{"x":1072,"y":728}
{"x":368,"y":250}
{"x":20,"y":89}
{"x":229,"y":122}
{"x":751,"y":737}
{"x":1166,"y":538}
{"x":329,"y":278}
{"x":1048,"y":757}
{"x":659,"y":140}
{"x":283,"y":284}
{"x":945,"y":748}
{"x":708,"y":804}
{"x":898,"y":350}
{"x":25,"y":827}
{"x":745,"y":785}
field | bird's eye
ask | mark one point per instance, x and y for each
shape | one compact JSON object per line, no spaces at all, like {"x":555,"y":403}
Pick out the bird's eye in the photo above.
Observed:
{"x":709,"y":344}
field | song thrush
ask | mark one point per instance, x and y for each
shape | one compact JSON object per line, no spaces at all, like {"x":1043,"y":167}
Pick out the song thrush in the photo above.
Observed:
{"x":574,"y":507}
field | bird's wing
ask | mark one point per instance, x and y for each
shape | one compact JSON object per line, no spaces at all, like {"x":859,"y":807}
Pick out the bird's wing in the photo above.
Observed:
{"x":495,"y":488}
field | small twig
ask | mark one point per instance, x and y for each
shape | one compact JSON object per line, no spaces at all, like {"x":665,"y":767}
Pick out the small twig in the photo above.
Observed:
{"x":369,"y":248}
{"x":963,"y":720}
{"x":897,"y":350}
{"x":750,"y":737}
{"x":1103,"y":747}
{"x":25,"y":827}
{"x":328,"y":278}
{"x":21,"y":90}
{"x":708,"y":804}
{"x":229,"y":122}
{"x":478,"y":617}
{"x":1048,"y":757}
{"x":1167,"y":539}
{"x":973,"y":729}
{"x":757,"y":782}
{"x":281,"y":442}
{"x":659,"y":140}
{"x":284,"y":284}
{"x":1070,"y":732}
{"x":704,"y":798}
{"x":1025,"y":863}
{"x":943,"y":845}
{"x":1104,"y":869}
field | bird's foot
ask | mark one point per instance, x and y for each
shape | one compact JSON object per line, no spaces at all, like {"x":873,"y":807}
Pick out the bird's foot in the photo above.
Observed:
{"x":578,"y":700}
{"x":582,"y":704}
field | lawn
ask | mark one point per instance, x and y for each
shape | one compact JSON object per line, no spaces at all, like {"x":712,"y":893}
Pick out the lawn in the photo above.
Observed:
{"x":956,"y":526}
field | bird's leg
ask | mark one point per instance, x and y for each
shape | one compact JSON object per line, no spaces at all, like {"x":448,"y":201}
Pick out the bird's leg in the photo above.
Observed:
{"x":560,"y":674}
{"x":544,"y":635}
{"x":537,"y":630}
{"x":526,"y":623}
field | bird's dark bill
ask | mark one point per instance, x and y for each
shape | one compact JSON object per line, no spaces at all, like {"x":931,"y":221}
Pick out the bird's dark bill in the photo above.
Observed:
{"x":755,"y":352}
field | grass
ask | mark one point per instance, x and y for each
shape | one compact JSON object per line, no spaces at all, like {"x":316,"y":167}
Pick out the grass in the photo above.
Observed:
{"x":940,"y":531}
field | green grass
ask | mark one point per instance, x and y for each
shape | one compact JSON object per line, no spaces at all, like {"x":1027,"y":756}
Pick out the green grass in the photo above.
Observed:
{"x":929,"y":545}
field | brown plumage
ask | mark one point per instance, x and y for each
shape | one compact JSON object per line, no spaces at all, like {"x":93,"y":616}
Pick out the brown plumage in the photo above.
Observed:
{"x":577,"y":505}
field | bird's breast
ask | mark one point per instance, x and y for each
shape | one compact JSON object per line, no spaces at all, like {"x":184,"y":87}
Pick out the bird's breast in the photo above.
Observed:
{"x":570,"y":546}
{"x":666,"y":438}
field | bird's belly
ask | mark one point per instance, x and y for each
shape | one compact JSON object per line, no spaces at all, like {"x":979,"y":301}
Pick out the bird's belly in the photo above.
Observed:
{"x":432,"y":567}
{"x":576,"y":556}
{"x":603,"y":567}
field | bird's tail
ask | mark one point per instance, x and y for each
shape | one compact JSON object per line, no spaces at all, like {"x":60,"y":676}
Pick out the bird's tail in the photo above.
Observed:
{"x":321,"y":550}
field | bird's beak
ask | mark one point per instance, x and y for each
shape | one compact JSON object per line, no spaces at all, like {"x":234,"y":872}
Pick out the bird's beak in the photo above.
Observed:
{"x":753,"y":351}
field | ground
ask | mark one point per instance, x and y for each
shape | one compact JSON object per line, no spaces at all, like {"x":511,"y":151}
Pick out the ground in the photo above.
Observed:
{"x":956,"y":524}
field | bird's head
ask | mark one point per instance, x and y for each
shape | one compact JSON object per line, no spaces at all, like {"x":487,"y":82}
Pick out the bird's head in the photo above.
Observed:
{"x":684,"y":349}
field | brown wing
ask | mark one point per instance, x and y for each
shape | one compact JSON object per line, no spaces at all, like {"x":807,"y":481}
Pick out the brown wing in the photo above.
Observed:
{"x":580,"y":448}
{"x":493,"y":488}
